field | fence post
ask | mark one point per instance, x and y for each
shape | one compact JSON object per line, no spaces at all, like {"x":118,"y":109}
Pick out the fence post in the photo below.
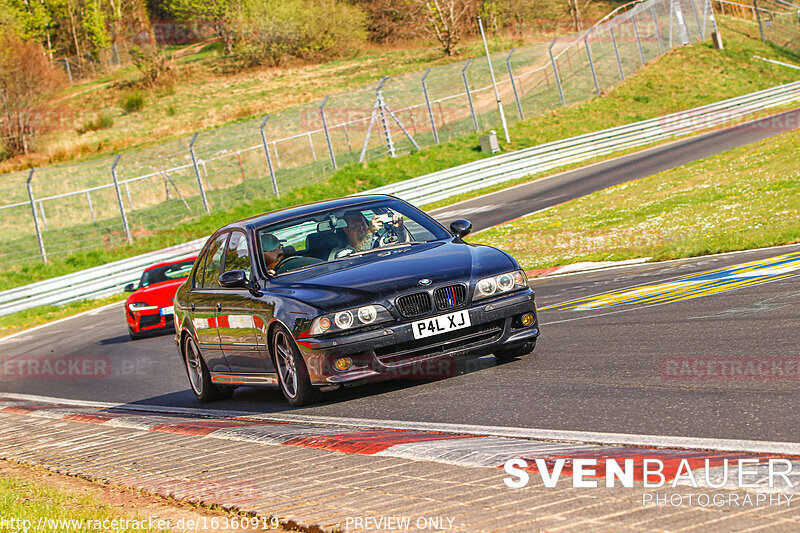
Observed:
{"x":44,"y":217}
{"x":555,"y":72}
{"x":69,"y":71}
{"x":638,"y":40}
{"x":758,"y":17}
{"x":469,"y":95}
{"x":428,"y":104}
{"x":591,"y":63}
{"x":197,"y":173}
{"x":494,"y":82}
{"x":658,"y":30}
{"x":325,"y":127}
{"x":311,"y":144}
{"x":269,"y":159}
{"x":381,"y":106}
{"x":514,"y":84}
{"x":700,"y":30}
{"x":91,"y":207}
{"x":119,"y":199}
{"x":36,"y":217}
{"x":616,"y":53}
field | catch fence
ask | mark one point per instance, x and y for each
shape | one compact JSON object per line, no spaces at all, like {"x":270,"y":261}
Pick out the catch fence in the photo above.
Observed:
{"x":53,"y":212}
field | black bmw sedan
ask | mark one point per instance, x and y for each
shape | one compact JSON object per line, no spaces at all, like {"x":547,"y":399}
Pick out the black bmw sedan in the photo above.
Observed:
{"x":339,"y":292}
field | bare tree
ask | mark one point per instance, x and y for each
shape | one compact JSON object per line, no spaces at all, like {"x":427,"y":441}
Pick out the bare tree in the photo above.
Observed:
{"x":27,"y":83}
{"x":575,"y":14}
{"x":447,"y":20}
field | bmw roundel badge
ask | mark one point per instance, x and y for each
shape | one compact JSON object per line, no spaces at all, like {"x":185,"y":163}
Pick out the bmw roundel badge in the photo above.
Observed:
{"x":424,"y":281}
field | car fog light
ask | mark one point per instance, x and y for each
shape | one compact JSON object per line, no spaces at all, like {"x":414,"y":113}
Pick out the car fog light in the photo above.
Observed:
{"x":342,"y":364}
{"x":344,"y":319}
{"x":527,"y":319}
{"x":367,"y":314}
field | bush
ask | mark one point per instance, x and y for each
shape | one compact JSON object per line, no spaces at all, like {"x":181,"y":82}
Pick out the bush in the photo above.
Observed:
{"x":156,"y":67}
{"x":100,"y":121}
{"x":274,"y":30}
{"x":132,"y":101}
{"x":27,"y":84}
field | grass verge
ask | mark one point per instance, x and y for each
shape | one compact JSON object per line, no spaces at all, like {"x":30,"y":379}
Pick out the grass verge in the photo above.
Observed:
{"x":748,"y":197}
{"x":686,"y":77}
{"x":40,"y":500}
{"x":36,"y":316}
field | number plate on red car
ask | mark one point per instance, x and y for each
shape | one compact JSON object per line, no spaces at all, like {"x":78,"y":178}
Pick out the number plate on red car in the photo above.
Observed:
{"x":440,"y":324}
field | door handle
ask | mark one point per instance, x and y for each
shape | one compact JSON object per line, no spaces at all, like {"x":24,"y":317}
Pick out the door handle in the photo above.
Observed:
{"x":219,"y":307}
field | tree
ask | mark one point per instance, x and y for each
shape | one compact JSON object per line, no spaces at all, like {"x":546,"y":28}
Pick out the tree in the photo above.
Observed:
{"x":27,"y":84}
{"x":220,"y":14}
{"x":447,"y":20}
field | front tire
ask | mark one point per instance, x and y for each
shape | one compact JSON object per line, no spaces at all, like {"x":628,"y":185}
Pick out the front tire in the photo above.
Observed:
{"x":199,"y":376}
{"x":292,"y":371}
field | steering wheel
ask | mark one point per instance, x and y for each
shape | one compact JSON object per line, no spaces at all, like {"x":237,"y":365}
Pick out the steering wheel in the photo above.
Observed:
{"x":386,"y":236}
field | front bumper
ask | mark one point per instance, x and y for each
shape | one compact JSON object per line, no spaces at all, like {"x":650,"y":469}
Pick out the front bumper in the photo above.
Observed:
{"x":392,"y":350}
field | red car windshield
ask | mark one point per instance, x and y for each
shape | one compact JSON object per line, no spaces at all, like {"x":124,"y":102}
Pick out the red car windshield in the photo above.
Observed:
{"x":166,"y":273}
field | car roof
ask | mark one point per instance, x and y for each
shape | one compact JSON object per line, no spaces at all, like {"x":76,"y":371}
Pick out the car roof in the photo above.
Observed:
{"x":304,"y":209}
{"x":171,"y":262}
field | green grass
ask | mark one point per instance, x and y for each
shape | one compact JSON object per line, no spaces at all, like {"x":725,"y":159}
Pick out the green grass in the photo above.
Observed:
{"x":685,"y":78}
{"x":33,"y":504}
{"x":746,"y":198}
{"x":22,"y":320}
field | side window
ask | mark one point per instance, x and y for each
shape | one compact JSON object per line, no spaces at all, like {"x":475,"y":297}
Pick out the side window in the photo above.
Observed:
{"x":238,"y":256}
{"x":213,"y":259}
{"x":197,"y":278}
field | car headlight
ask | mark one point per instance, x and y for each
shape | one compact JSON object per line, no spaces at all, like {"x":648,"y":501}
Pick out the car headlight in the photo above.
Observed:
{"x":141,"y":306}
{"x":366,"y":315}
{"x":510,"y":281}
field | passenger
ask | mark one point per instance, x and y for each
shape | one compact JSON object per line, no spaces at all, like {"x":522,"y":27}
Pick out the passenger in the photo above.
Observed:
{"x":279,"y":259}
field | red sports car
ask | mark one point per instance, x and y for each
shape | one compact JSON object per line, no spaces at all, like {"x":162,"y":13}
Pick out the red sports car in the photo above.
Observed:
{"x":149,"y":308}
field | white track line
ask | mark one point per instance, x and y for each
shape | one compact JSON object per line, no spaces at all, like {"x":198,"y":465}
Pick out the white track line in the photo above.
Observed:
{"x":587,"y":437}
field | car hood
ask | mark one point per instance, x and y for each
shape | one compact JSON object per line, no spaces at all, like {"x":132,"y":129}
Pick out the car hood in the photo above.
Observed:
{"x":381,"y":275}
{"x":160,"y":294}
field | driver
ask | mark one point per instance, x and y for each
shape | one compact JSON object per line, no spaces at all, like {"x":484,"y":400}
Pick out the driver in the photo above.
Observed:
{"x":272,"y":247}
{"x":361,"y":235}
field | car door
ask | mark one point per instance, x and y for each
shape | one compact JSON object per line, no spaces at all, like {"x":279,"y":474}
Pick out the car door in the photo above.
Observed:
{"x":203,"y":302}
{"x":237,"y":311}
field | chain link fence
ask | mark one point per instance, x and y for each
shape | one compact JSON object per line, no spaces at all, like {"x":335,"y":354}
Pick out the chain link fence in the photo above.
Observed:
{"x":52,"y":212}
{"x":779,"y":22}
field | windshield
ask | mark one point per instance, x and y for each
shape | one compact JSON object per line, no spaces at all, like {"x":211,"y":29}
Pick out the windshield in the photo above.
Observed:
{"x":166,"y":273}
{"x":336,"y":235}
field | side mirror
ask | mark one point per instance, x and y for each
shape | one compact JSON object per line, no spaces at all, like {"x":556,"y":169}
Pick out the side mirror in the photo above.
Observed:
{"x":461,"y":228}
{"x":233,"y":278}
{"x":129,"y":287}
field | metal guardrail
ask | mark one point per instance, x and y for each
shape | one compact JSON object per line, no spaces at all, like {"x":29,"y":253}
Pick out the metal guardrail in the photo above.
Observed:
{"x":514,"y":165}
{"x":110,"y":278}
{"x":96,"y":282}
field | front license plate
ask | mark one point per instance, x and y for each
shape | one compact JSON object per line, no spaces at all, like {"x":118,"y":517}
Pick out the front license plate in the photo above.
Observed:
{"x":168,"y":310}
{"x":440,"y":324}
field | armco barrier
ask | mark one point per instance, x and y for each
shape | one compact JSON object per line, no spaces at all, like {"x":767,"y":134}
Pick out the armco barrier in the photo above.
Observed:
{"x":108,"y":279}
{"x":498,"y":169}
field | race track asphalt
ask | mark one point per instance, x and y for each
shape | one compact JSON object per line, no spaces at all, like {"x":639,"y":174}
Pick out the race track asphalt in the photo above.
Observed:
{"x":596,"y":370}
